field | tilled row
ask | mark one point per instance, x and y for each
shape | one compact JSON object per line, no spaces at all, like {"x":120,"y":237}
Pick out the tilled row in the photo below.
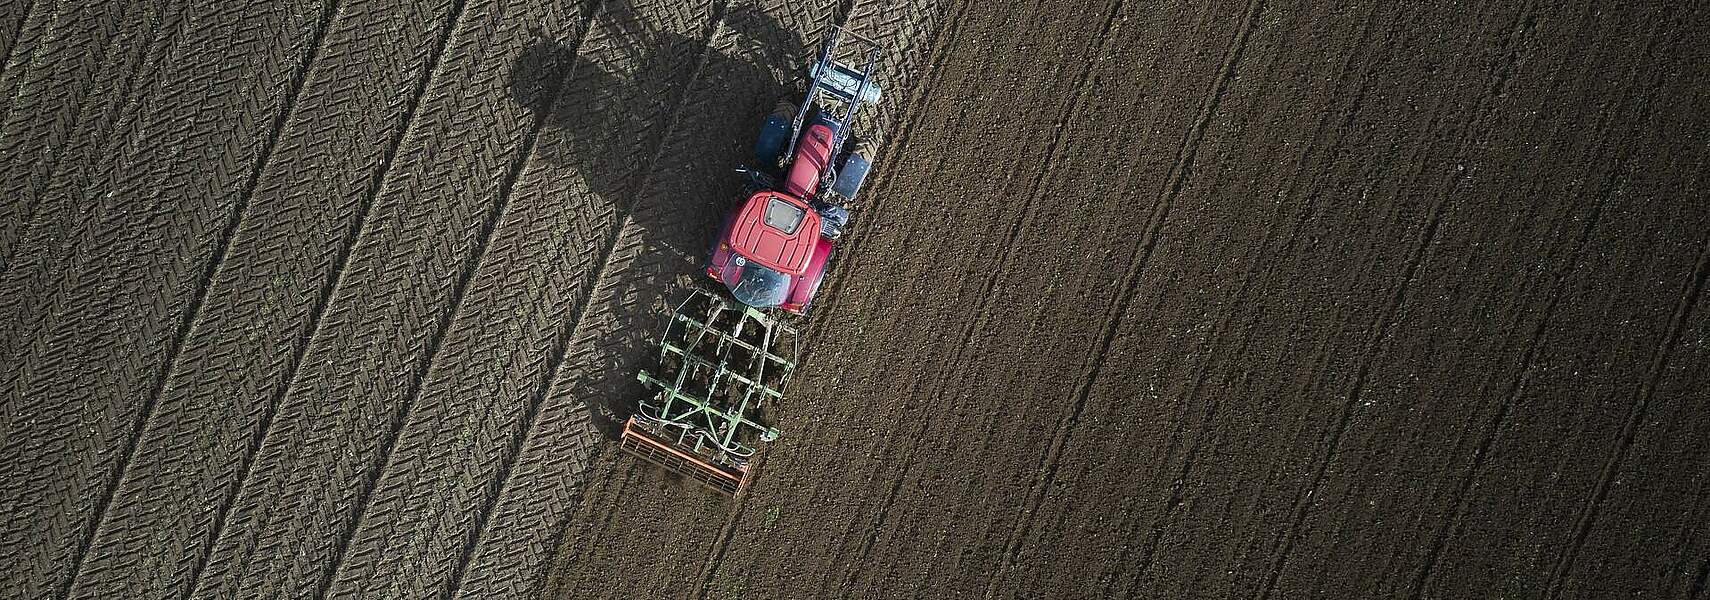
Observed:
{"x":13,"y":15}
{"x":485,"y":457}
{"x":1308,"y":317}
{"x":64,"y":97}
{"x":292,"y":528}
{"x":272,"y":289}
{"x":124,"y":238}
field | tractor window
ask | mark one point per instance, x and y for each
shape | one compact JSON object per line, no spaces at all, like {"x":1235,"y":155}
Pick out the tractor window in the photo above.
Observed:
{"x":761,"y":287}
{"x":784,"y":216}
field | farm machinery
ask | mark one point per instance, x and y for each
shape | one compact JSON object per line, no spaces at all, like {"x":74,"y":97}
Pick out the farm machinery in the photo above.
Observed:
{"x":726,"y":355}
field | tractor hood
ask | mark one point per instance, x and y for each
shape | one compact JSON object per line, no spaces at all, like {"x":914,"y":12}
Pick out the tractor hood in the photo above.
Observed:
{"x":777,"y":231}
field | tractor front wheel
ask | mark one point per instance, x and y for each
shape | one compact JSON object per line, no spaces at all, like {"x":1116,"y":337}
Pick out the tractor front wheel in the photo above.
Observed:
{"x":785,"y":109}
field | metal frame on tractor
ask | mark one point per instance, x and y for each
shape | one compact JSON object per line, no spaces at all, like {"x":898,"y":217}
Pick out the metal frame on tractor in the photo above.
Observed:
{"x":846,"y":78}
{"x":717,"y":375}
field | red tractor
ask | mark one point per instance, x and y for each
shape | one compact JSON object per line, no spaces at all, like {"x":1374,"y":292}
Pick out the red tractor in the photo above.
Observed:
{"x":722,"y":365}
{"x":774,"y":247}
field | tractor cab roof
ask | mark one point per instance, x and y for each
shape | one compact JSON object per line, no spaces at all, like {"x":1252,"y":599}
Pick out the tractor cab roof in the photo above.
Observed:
{"x":776,"y":230}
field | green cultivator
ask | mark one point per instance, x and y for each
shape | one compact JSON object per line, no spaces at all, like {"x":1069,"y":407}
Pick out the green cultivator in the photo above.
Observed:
{"x":721,"y":364}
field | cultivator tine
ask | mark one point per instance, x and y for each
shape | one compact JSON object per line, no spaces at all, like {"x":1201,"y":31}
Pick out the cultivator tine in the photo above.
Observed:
{"x":719,"y":364}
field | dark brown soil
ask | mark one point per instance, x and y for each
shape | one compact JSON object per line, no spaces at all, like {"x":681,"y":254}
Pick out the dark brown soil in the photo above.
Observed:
{"x":1253,"y":301}
{"x":345,"y":298}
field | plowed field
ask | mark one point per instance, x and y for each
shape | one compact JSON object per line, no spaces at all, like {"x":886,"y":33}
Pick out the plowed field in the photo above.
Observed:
{"x":345,"y":298}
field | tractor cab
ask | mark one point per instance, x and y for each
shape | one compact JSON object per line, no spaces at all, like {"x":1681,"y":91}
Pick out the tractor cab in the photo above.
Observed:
{"x":767,"y":248}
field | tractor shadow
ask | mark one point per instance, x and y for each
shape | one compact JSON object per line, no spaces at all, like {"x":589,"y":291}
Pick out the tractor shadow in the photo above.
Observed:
{"x":648,"y":125}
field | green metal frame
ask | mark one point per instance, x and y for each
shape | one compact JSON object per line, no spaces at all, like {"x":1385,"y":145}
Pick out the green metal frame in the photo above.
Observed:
{"x":720,"y":362}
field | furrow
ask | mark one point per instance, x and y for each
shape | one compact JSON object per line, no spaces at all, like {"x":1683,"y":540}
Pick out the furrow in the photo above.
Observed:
{"x":394,"y":299}
{"x":1388,"y":316}
{"x":123,"y":296}
{"x":1499,"y":417}
{"x":502,"y":401}
{"x":1635,"y":417}
{"x":1310,"y":205}
{"x":202,"y":284}
{"x":1180,"y":173}
{"x":1066,"y":112}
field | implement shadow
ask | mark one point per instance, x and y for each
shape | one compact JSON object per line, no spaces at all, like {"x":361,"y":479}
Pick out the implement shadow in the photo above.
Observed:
{"x":652,"y":124}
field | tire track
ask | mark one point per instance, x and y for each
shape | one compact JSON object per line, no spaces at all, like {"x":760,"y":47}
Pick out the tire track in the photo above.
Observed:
{"x":1179,"y":175}
{"x":1420,"y":159}
{"x":1650,"y":538}
{"x":9,"y":36}
{"x":1211,"y":346}
{"x":1635,"y":416}
{"x":982,"y":309}
{"x":1499,"y":417}
{"x":412,"y":262}
{"x":532,"y":228}
{"x":54,"y":91}
{"x":198,"y":297}
{"x":16,"y":30}
{"x":459,"y":292}
{"x":1340,"y":507}
{"x":579,"y":419}
{"x":1646,"y":393}
{"x":1379,"y":335}
{"x":202,"y":451}
{"x":1386,"y":317}
{"x":511,"y":565}
{"x":1309,"y":207}
{"x":131,"y":292}
{"x":36,"y":138}
{"x":910,"y":28}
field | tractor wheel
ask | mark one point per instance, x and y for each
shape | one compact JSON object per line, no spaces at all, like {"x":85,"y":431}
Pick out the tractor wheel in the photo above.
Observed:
{"x":786,"y":109}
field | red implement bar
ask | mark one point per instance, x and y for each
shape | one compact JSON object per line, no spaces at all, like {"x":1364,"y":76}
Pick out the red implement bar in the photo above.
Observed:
{"x":638,"y":440}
